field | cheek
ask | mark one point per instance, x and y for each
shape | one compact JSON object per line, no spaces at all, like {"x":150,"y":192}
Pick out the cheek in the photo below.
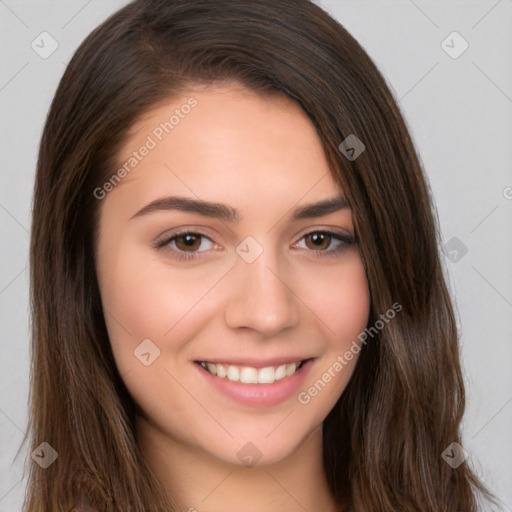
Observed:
{"x":341,"y":300}
{"x":349,"y":313}
{"x":144,"y":300}
{"x":132,"y":308}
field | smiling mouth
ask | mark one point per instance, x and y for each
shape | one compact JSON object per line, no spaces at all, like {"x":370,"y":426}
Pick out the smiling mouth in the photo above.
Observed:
{"x":250,"y":374}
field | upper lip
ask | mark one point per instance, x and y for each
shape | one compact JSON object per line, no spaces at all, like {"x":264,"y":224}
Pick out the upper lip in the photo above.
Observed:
{"x":253,"y":362}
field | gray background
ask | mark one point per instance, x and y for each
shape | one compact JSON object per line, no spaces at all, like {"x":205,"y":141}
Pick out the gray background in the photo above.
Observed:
{"x":459,"y":112}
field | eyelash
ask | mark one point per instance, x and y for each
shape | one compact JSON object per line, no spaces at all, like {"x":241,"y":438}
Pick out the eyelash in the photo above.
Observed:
{"x":345,"y":241}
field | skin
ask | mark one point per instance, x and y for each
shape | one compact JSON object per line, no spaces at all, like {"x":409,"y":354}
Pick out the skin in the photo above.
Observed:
{"x":260,"y":155}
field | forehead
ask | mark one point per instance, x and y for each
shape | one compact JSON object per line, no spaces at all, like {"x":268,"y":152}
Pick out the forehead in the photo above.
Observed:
{"x":225,"y":143}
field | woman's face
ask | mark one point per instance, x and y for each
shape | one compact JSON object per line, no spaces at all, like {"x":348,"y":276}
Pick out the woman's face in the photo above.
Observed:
{"x":225,"y":248}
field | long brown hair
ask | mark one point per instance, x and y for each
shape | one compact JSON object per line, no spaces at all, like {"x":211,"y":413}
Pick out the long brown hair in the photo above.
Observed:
{"x":384,"y":438}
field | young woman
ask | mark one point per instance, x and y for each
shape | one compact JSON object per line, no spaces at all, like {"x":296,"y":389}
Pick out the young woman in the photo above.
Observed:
{"x":238,"y":301}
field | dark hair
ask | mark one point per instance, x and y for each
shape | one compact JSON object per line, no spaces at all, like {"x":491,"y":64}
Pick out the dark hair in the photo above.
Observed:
{"x":384,"y":438}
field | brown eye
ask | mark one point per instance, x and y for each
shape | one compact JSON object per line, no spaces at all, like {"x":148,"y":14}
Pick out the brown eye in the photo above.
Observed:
{"x":186,"y":245}
{"x":189,"y":242}
{"x":318,"y":241}
{"x":325,"y":243}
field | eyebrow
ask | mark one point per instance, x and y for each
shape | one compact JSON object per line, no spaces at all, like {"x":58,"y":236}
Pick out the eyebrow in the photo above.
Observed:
{"x":230,"y":214}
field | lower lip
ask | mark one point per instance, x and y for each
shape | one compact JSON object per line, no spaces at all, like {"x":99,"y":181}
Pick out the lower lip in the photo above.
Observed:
{"x":258,"y":395}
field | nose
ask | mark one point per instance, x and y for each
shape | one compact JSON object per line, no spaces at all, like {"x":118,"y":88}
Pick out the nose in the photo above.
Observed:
{"x":261,"y":298}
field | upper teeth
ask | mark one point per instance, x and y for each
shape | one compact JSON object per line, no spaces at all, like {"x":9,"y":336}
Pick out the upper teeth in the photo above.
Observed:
{"x":251,"y":375}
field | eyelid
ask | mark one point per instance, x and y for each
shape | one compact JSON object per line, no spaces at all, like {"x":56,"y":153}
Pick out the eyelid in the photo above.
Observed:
{"x":337,"y":232}
{"x":168,"y":235}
